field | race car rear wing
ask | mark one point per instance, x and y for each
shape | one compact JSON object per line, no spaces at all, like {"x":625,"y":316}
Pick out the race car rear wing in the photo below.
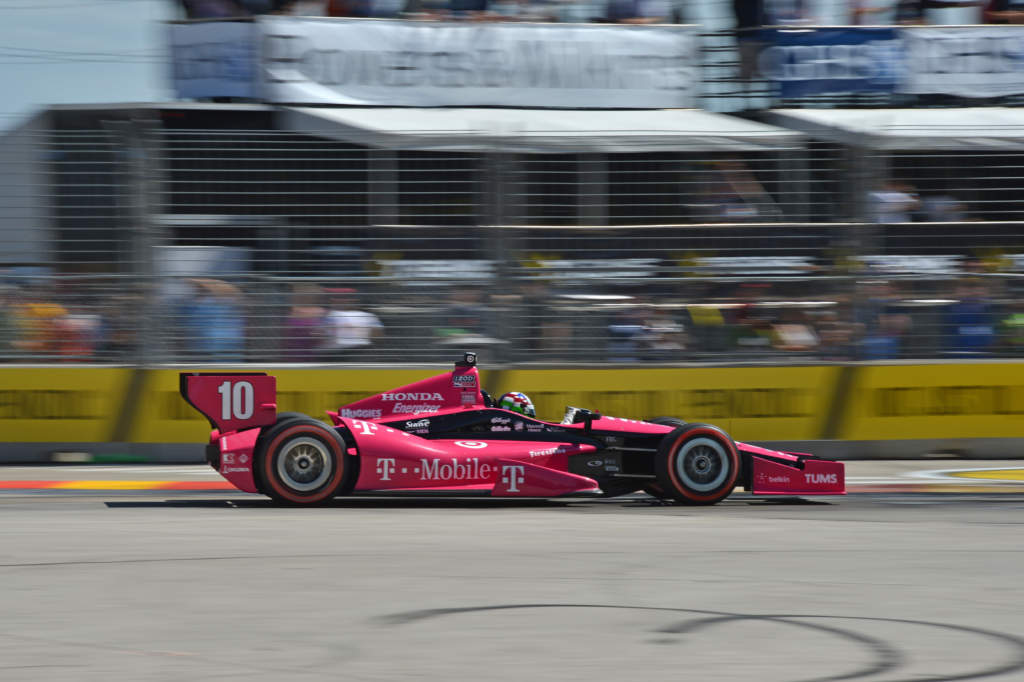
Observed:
{"x":231,"y":401}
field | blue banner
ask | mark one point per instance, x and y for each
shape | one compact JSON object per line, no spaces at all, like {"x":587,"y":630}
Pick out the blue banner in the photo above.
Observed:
{"x":822,"y":61}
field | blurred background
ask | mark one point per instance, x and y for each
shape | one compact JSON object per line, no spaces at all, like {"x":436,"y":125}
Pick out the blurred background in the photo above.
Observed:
{"x":561,"y":184}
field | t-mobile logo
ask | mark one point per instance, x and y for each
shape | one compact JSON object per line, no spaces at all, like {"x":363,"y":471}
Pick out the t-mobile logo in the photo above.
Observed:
{"x":512,"y":476}
{"x":385,"y":467}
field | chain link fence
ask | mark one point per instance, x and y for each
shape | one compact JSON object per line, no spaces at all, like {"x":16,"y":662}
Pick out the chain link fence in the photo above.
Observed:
{"x":151,"y":241}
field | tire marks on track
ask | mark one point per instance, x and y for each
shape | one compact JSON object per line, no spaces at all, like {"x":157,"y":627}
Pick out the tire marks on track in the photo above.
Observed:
{"x":887,"y":657}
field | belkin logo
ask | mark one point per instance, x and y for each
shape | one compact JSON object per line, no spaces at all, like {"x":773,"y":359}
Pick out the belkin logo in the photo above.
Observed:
{"x":392,"y":397}
{"x":821,"y":478}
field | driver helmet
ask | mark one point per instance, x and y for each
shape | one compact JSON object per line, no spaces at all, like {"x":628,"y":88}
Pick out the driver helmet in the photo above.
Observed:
{"x":517,"y":402}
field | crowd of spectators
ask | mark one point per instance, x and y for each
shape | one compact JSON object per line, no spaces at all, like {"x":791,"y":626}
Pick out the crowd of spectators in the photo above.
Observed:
{"x":973,"y":315}
{"x":747,"y":14}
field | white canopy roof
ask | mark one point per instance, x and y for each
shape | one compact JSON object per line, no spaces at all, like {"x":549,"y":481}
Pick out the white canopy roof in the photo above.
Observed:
{"x":924,"y":129}
{"x":538,"y":130}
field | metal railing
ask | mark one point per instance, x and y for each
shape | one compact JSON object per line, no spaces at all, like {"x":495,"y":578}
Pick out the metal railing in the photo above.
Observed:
{"x":142,"y":244}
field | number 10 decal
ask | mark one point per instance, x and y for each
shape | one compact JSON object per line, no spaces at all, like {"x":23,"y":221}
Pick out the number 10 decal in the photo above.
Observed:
{"x":236,"y":400}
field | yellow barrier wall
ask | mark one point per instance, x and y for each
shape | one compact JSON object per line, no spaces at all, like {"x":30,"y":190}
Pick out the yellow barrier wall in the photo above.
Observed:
{"x":937,"y":401}
{"x":896,"y":402}
{"x":760,"y":403}
{"x":48,"y":405}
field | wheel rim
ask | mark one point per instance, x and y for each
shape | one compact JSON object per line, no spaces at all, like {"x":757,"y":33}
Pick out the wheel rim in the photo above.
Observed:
{"x":304,"y":464}
{"x":702,"y":464}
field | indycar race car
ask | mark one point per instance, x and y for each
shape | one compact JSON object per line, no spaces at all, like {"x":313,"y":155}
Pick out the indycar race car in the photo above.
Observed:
{"x":445,"y":434}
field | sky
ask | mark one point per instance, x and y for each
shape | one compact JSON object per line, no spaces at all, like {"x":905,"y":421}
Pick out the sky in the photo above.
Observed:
{"x":81,"y":51}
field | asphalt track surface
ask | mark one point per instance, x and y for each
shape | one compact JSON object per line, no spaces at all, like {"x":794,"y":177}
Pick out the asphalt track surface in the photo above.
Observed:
{"x":911,"y":577}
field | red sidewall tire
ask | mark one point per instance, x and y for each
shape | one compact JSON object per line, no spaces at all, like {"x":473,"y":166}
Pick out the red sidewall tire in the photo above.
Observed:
{"x":270,"y":453}
{"x":667,"y":471}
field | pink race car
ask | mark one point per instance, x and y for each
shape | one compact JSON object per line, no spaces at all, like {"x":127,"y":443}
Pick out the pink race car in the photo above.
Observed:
{"x":446,"y":435}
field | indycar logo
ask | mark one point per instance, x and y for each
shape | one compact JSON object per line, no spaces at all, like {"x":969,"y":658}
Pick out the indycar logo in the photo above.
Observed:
{"x":821,"y":478}
{"x":463,"y":381}
{"x":512,"y":476}
{"x":395,"y":397}
{"x":385,"y":467}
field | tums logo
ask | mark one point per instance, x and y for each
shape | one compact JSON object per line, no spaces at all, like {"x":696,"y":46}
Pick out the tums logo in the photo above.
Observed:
{"x":821,"y":478}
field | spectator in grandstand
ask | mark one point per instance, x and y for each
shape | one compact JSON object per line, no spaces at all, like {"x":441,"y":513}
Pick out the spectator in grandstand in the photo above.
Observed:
{"x":666,"y":336}
{"x":35,"y":318}
{"x":350,"y":330}
{"x":750,"y":16}
{"x":214,"y":321}
{"x":638,"y":11}
{"x":466,"y":315}
{"x":943,"y":208}
{"x":971,"y":321}
{"x":883,"y":321}
{"x":80,"y":333}
{"x":1004,"y":12}
{"x":7,"y":326}
{"x":837,"y":332}
{"x":893,"y":202}
{"x":1011,"y":329}
{"x":380,"y":9}
{"x":627,"y":335}
{"x":305,"y":327}
{"x":793,"y":332}
{"x":935,"y":12}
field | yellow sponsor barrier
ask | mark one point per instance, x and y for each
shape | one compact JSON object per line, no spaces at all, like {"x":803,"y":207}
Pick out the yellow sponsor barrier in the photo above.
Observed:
{"x":58,"y":404}
{"x":938,"y":401}
{"x":751,"y":403}
{"x":871,"y":402}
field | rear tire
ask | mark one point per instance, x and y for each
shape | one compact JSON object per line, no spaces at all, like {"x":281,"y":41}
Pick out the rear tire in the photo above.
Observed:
{"x":697,"y":464}
{"x":301,"y":461}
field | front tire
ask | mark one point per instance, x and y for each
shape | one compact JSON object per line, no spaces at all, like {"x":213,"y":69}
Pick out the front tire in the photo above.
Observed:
{"x":302,"y":461}
{"x":653,"y":489}
{"x":697,"y":464}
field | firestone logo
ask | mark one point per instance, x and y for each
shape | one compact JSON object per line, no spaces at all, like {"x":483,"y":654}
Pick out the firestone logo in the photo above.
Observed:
{"x":550,"y":451}
{"x":394,"y":397}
